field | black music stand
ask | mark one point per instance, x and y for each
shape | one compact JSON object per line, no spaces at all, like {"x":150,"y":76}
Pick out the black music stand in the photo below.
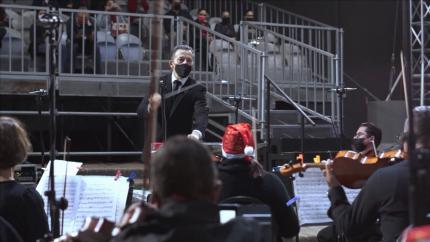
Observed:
{"x":51,"y":21}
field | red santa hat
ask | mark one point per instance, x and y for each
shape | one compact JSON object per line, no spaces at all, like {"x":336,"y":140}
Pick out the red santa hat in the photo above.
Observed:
{"x":238,"y":141}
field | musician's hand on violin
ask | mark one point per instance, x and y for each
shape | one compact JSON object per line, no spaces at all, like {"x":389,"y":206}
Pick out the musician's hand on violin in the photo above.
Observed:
{"x":329,"y":175}
{"x":136,"y":212}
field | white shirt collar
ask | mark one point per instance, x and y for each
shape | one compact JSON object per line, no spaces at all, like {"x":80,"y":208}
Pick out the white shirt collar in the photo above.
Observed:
{"x":182,"y":80}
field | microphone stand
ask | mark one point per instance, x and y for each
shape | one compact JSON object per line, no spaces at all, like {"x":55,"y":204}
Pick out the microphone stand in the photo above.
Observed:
{"x":341,"y":91}
{"x":237,"y":100}
{"x":39,"y":94}
{"x":340,"y":95}
{"x":52,"y":21}
{"x":295,"y":105}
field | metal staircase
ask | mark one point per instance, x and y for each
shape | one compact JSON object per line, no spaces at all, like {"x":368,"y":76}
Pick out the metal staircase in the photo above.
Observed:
{"x":310,"y":64}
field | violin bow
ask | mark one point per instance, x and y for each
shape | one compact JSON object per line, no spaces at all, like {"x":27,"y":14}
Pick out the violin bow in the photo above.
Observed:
{"x":150,"y":122}
{"x":405,"y":86}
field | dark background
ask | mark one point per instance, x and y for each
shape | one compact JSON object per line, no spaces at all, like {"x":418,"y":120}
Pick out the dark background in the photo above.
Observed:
{"x":369,"y":40}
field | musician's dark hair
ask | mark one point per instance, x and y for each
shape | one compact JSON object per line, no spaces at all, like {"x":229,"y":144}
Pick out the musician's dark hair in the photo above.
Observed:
{"x":181,"y":47}
{"x":201,"y":9}
{"x":249,"y":10}
{"x":14,"y":142}
{"x":422,"y":125}
{"x":183,"y":167}
{"x":373,"y":130}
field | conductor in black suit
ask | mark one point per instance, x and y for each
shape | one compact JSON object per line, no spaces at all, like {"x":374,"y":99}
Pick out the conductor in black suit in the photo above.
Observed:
{"x":183,"y":109}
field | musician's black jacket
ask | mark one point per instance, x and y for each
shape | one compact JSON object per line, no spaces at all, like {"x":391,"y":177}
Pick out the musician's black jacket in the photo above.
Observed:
{"x":385,"y":196}
{"x":237,"y":181}
{"x":185,"y":112}
{"x":7,"y":232}
{"x":23,"y":208}
{"x":188,"y":221}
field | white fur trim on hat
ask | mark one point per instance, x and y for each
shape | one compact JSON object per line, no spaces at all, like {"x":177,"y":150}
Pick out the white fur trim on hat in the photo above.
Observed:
{"x":249,"y":150}
{"x":231,"y":156}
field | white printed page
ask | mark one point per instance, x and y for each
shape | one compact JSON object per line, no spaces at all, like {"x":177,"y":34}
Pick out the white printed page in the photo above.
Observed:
{"x":102,"y":196}
{"x":313,"y":202}
{"x":61,"y":167}
{"x":99,"y":196}
{"x":121,"y":189}
{"x":73,"y":189}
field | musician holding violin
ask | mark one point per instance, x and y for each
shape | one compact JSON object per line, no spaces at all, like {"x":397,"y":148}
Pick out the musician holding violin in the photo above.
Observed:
{"x":383,"y":198}
{"x":366,"y":139}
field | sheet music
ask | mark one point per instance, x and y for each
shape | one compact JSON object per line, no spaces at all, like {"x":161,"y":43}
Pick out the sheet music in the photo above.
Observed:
{"x":60,"y":168}
{"x":100,"y":196}
{"x":313,"y":202}
{"x":73,"y":186}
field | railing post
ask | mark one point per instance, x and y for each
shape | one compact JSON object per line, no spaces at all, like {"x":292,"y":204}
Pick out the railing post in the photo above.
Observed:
{"x":261,"y":8}
{"x":332,"y":71}
{"x":243,"y":32}
{"x":261,"y":97}
{"x":179,"y":30}
{"x":341,"y":56}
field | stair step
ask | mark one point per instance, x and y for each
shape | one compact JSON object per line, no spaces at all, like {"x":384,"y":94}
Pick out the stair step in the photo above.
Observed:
{"x":295,"y":131}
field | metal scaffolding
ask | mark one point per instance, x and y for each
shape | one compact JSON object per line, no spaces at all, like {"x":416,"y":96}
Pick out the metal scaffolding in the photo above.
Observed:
{"x":420,"y":50}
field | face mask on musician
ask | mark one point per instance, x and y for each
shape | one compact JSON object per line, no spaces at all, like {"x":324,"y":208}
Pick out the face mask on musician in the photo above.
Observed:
{"x":358,"y":144}
{"x":177,"y":6}
{"x":182,"y":70}
{"x":225,"y":20}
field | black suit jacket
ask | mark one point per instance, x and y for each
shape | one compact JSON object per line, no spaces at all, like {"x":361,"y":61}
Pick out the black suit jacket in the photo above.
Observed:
{"x":183,"y":112}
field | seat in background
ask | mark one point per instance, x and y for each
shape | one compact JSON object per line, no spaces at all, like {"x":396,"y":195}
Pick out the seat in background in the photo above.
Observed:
{"x":130,"y":47}
{"x":297,"y":68}
{"x":107,"y":46}
{"x":213,"y":21}
{"x":13,"y":56}
{"x":275,"y":62}
{"x":226,"y":60}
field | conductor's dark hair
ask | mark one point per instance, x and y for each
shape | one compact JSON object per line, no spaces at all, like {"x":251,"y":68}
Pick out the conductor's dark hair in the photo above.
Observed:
{"x":182,"y":47}
{"x":14,"y":142}
{"x":183,"y":167}
{"x":374,"y":131}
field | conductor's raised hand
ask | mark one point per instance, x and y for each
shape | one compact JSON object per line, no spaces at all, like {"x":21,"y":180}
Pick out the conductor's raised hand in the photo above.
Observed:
{"x":154,"y":102}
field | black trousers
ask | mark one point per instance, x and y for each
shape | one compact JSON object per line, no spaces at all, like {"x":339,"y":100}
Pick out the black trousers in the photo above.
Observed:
{"x":331,"y":234}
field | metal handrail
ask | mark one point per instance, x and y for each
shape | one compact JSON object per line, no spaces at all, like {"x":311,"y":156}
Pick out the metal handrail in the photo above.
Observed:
{"x":265,"y":5}
{"x":329,"y":28}
{"x":298,"y":43}
{"x":239,"y":48}
{"x":64,"y":113}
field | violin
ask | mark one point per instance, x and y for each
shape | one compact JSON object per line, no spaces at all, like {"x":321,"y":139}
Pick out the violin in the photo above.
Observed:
{"x":351,"y":168}
{"x":394,"y":155}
